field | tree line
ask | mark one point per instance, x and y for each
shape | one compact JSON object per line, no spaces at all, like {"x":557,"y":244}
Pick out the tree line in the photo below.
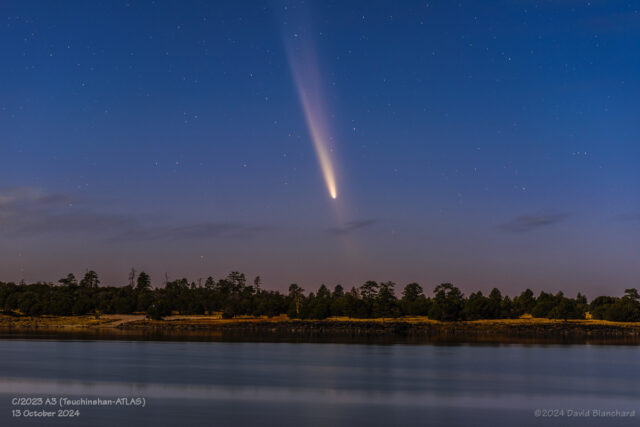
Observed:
{"x":234,"y":296}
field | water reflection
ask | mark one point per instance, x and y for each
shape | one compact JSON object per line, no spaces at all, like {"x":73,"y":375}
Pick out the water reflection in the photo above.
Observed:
{"x":311,"y":337}
{"x":236,"y":383}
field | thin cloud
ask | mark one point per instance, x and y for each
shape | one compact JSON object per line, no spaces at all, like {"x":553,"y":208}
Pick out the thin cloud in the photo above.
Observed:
{"x":16,"y":197}
{"x":630,"y":217}
{"x":81,"y":222}
{"x":193,"y":231}
{"x":352,"y":226}
{"x":525,"y":223}
{"x":29,"y":211}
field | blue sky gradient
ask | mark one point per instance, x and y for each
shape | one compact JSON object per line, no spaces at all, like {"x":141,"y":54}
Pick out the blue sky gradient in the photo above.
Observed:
{"x":486,"y":143}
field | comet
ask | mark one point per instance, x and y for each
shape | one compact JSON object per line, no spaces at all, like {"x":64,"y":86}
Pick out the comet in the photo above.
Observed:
{"x":306,"y":73}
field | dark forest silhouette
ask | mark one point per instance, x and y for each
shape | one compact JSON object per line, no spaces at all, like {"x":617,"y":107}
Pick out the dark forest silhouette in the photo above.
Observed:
{"x":233,"y":296}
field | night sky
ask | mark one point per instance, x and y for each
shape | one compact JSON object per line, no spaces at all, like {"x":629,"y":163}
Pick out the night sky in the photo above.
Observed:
{"x":476,"y":142}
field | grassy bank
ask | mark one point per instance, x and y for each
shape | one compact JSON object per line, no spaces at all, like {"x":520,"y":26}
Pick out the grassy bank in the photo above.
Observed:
{"x":405,"y":326}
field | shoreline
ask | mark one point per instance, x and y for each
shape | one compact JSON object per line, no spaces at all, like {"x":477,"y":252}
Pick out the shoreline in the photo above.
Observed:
{"x":280,"y":329}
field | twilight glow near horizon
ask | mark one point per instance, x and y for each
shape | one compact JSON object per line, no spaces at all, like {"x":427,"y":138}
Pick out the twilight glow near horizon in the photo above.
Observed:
{"x":481,"y":143}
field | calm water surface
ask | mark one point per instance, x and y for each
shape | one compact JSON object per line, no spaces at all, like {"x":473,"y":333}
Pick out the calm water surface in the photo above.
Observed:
{"x":281,"y":384}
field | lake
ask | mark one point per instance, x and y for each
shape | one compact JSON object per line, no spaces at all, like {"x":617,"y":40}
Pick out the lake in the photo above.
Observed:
{"x":323,"y":384}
